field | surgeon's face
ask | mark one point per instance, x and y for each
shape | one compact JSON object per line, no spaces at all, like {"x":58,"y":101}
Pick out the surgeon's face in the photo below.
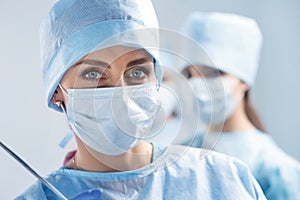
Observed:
{"x":110,"y":67}
{"x":209,"y":72}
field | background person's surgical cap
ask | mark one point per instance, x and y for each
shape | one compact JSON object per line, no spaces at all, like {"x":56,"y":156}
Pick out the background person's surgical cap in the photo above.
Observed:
{"x":74,"y":28}
{"x":232,"y":42}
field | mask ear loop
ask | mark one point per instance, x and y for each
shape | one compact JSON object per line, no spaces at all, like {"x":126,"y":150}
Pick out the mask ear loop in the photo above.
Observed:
{"x":63,"y":89}
{"x":67,"y":138}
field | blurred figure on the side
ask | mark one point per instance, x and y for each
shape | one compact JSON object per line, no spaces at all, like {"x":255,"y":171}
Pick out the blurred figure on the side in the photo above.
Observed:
{"x":233,"y":44}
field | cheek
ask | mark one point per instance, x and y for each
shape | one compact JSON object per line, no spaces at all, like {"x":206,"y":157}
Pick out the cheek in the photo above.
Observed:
{"x":153,"y":77}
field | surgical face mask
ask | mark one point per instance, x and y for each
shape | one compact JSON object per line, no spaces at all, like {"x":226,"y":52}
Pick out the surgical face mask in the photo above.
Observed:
{"x":112,"y":120}
{"x":215,"y":99}
{"x":168,"y":99}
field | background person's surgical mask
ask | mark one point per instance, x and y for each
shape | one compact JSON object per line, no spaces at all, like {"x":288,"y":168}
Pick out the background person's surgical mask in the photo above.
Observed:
{"x":216,"y":102}
{"x":168,"y":99}
{"x":112,"y":120}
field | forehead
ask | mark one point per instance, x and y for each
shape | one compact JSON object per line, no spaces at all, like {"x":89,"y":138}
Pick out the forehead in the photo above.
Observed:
{"x":112,"y":54}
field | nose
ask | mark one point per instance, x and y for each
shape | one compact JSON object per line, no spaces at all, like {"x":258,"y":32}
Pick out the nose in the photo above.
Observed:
{"x":119,"y":82}
{"x":116,"y":78}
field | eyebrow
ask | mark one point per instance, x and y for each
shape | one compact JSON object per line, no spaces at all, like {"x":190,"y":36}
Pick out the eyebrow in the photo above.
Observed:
{"x":106,"y":65}
{"x":94,"y":62}
{"x":140,"y":61}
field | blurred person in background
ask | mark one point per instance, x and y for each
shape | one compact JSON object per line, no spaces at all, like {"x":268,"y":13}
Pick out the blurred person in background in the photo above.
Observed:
{"x":233,"y":43}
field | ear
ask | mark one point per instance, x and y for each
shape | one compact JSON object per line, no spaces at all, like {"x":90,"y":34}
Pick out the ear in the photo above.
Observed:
{"x":244,"y":86}
{"x":58,"y":97}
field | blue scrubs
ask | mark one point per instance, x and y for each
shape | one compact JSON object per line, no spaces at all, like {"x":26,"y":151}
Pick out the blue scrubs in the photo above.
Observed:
{"x":277,"y":173}
{"x":175,"y":173}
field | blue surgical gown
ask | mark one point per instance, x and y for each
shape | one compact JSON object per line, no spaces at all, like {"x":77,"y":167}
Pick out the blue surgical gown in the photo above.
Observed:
{"x":277,"y":173}
{"x":176,"y":173}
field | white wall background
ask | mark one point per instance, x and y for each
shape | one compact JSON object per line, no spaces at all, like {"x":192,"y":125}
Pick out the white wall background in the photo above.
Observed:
{"x":33,"y":131}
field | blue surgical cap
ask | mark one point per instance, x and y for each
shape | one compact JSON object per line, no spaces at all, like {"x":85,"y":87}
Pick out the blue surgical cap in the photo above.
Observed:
{"x":74,"y":28}
{"x":232,"y":42}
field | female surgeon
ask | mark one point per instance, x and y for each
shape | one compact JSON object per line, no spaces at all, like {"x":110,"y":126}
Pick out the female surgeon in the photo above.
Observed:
{"x":233,"y":43}
{"x":100,"y":69}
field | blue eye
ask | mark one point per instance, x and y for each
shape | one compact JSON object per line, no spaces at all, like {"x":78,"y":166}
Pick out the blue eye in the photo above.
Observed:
{"x":137,"y":74}
{"x":92,"y":75}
